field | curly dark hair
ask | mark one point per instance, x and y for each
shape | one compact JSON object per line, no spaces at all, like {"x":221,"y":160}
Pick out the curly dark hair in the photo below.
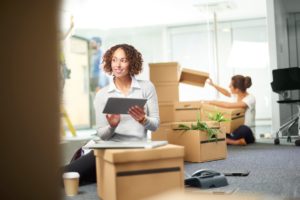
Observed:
{"x":133,"y":56}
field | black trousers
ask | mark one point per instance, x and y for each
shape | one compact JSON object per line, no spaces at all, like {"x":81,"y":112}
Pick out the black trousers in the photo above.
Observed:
{"x":242,"y":132}
{"x":85,"y":166}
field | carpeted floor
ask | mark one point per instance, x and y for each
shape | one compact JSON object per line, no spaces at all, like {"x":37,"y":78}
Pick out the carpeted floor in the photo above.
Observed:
{"x":274,"y":172}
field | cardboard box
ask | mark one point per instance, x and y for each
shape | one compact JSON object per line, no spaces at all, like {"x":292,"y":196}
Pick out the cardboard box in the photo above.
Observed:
{"x":164,"y":72}
{"x":161,"y":132}
{"x":167,"y":92}
{"x":194,"y":193}
{"x":166,"y":111}
{"x":197,"y":147}
{"x":235,"y":116}
{"x":193,"y":77}
{"x":124,"y":174}
{"x":187,"y":111}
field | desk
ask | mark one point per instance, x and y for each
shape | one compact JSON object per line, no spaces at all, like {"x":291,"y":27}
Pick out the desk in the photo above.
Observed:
{"x":128,"y":174}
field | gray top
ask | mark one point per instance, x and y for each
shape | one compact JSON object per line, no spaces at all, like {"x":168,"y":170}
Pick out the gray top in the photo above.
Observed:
{"x":128,"y":128}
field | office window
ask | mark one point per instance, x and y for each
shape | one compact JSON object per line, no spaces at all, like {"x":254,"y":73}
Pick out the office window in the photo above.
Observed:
{"x":242,"y":49}
{"x":190,"y":46}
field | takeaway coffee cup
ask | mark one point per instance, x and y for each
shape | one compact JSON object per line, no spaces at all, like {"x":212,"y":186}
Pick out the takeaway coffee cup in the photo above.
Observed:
{"x":71,"y":182}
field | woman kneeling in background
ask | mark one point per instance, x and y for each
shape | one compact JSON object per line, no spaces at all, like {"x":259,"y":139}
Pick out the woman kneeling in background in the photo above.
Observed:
{"x":238,"y":88}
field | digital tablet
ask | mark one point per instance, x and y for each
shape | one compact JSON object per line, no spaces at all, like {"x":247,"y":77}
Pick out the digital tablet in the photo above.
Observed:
{"x":118,"y":105}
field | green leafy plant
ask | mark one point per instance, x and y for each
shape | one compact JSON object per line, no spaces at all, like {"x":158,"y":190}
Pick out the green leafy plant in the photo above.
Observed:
{"x":212,"y":133}
{"x":219,"y":117}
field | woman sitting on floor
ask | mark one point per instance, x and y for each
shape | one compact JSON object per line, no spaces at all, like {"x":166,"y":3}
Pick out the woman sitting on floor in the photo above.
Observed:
{"x":238,"y":88}
{"x":123,"y":62}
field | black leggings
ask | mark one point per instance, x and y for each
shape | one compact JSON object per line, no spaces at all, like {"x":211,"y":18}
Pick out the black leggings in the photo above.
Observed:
{"x":85,"y":166}
{"x":242,"y":132}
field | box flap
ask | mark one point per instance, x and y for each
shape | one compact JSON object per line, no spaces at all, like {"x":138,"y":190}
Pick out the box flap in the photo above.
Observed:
{"x":193,"y":77}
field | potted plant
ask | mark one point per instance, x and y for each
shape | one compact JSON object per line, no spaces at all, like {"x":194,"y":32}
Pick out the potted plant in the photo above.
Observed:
{"x":202,"y":142}
{"x":212,"y":133}
{"x":218,"y":117}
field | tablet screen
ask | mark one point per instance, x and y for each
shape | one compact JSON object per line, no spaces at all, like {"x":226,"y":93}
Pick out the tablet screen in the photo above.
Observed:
{"x":116,"y":105}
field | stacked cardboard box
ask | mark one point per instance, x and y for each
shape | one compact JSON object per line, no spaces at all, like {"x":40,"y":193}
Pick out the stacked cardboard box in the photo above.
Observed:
{"x":165,"y":77}
{"x":197,"y":146}
{"x":165,"y":72}
{"x":186,"y":111}
{"x":234,"y":117}
{"x":162,"y":132}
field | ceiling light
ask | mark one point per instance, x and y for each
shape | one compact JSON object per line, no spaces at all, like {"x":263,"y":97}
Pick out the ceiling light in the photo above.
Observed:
{"x":216,"y":6}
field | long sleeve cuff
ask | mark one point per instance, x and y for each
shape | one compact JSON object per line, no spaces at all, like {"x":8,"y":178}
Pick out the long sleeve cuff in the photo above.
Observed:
{"x":151,"y":123}
{"x":105,"y":133}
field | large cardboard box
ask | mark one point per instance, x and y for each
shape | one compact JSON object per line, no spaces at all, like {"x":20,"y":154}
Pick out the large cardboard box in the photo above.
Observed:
{"x":187,"y":111}
{"x":124,"y":174}
{"x":193,"y":77}
{"x":162,"y":132}
{"x":197,"y":147}
{"x":235,"y":117}
{"x":164,"y":72}
{"x":166,"y":111}
{"x":194,"y":193}
{"x":167,"y":92}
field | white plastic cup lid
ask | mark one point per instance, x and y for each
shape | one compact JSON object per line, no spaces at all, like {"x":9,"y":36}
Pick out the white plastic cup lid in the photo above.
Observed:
{"x":70,"y":175}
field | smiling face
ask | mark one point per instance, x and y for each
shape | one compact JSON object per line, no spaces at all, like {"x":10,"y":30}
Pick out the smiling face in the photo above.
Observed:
{"x":120,"y":64}
{"x":121,"y":60}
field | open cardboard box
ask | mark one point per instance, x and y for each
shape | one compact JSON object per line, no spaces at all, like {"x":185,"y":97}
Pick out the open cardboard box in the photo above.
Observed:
{"x":235,"y":117}
{"x":197,"y":146}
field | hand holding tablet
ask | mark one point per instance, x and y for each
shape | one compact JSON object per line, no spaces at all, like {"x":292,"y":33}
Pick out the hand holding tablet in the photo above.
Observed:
{"x":116,"y":105}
